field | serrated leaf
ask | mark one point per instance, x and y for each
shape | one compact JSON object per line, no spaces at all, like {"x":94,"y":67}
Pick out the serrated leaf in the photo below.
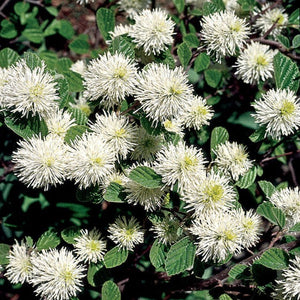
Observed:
{"x":184,"y":53}
{"x":267,"y":187}
{"x":115,"y":257}
{"x":179,"y":4}
{"x":34,"y":35}
{"x":225,"y":297}
{"x":237,"y":271}
{"x":69,"y":234}
{"x":275,"y":259}
{"x":8,"y":57}
{"x":4,"y":252}
{"x":79,"y":116}
{"x":271,"y":213}
{"x":8,"y":30}
{"x":93,"y":273}
{"x":63,"y":90}
{"x":212,"y":77}
{"x":122,"y":45}
{"x":147,"y":126}
{"x":74,"y":80}
{"x":180,"y":257}
{"x":258,"y":135}
{"x":219,"y":135}
{"x":284,"y":40}
{"x":294,"y":17}
{"x":157,"y":254}
{"x":191,"y":40}
{"x":32,"y":60}
{"x":110,"y":291}
{"x":202,"y":62}
{"x":146,"y":177}
{"x":296,"y":227}
{"x":114,"y":193}
{"x":296,"y":41}
{"x":286,"y":73}
{"x":213,"y":6}
{"x":79,"y":45}
{"x":47,"y":240}
{"x":66,"y":29}
{"x":105,"y":21}
{"x":246,"y":180}
{"x":75,"y":132}
{"x":29,"y":241}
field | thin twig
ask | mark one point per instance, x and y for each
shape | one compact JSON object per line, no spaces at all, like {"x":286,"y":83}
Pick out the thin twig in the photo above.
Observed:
{"x":277,"y":156}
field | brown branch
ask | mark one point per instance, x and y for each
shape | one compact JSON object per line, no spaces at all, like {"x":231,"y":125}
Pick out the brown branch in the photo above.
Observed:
{"x":277,"y":156}
{"x":7,"y":170}
{"x":132,"y":107}
{"x":292,"y":170}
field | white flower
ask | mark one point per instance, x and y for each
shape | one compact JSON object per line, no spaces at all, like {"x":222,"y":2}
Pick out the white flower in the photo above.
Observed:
{"x":3,"y":81}
{"x":146,"y":145}
{"x":115,"y":177}
{"x":173,"y":125}
{"x":79,"y":67}
{"x":218,"y":234}
{"x":120,"y":30}
{"x":89,"y":247}
{"x":251,"y":224}
{"x":267,"y":19}
{"x":288,"y":200}
{"x":167,"y":231}
{"x":41,"y":162}
{"x":126,"y":233}
{"x":279,"y":111}
{"x":112,"y":77}
{"x":149,"y":198}
{"x":211,"y":194}
{"x":255,"y":63}
{"x":59,"y":122}
{"x":163,"y":92}
{"x":181,"y":164}
{"x":116,"y":131}
{"x":232,"y":158}
{"x":223,"y":32}
{"x":56,"y":274}
{"x":152,"y":31}
{"x":82,"y":104}
{"x":232,"y":5}
{"x":132,"y":7}
{"x":30,"y":91}
{"x":289,"y":285}
{"x":19,"y":267}
{"x":83,"y":2}
{"x":196,"y":113}
{"x":90,"y":160}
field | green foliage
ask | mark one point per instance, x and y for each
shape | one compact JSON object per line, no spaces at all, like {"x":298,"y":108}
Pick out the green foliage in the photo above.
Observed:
{"x":267,"y":187}
{"x":105,"y":21}
{"x":114,"y":193}
{"x":247,"y":180}
{"x":157,"y":254}
{"x":70,"y":233}
{"x":271,"y":213}
{"x":75,"y":132}
{"x":4,"y":252}
{"x":202,"y":62}
{"x":146,"y":177}
{"x":219,"y":135}
{"x":121,"y":44}
{"x":184,"y":53}
{"x":110,"y":291}
{"x":295,"y":228}
{"x":237,"y":272}
{"x":212,"y":77}
{"x":8,"y":57}
{"x":191,"y":40}
{"x":115,"y":257}
{"x":275,"y":259}
{"x":47,"y":240}
{"x":179,"y":4}
{"x":80,"y":44}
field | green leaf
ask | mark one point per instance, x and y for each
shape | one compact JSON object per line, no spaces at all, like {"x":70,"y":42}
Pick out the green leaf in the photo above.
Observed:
{"x":52,"y":10}
{"x":296,"y":227}
{"x":271,"y":213}
{"x":94,"y":274}
{"x":66,"y":29}
{"x":283,"y":40}
{"x":294,"y":17}
{"x":184,"y":54}
{"x":225,"y":297}
{"x":166,"y":58}
{"x":47,"y":240}
{"x":91,"y":194}
{"x":8,"y":57}
{"x":213,"y":6}
{"x":4,"y":252}
{"x":21,"y":8}
{"x":157,"y":254}
{"x":148,"y":127}
{"x":74,"y":80}
{"x":179,"y":4}
{"x":180,"y":256}
{"x":8,"y":30}
{"x":191,"y":40}
{"x":105,"y":21}
{"x":115,"y":257}
{"x":32,"y":60}
{"x":110,"y":291}
{"x":296,"y":41}
{"x":114,"y":193}
{"x":212,"y":77}
{"x":237,"y":271}
{"x":79,"y":116}
{"x":75,"y":132}
{"x":245,"y":181}
{"x":121,"y":44}
{"x":286,"y":73}
{"x":219,"y":135}
{"x":258,"y":135}
{"x":246,"y":5}
{"x":146,"y":177}
{"x":267,"y":187}
{"x":79,"y":45}
{"x":202,"y":62}
{"x":69,"y":234}
{"x":275,"y":259}
{"x":34,"y":35}
{"x":262,"y":275}
{"x":63,"y":90}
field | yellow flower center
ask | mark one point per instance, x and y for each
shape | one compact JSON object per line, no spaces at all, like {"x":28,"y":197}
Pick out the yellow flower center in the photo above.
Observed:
{"x":236,"y":26}
{"x":188,"y":162}
{"x":93,"y":246}
{"x":279,"y":19}
{"x":287,"y":108}
{"x":201,"y":110}
{"x":85,"y":108}
{"x":240,"y":157}
{"x":248,"y":224}
{"x":36,"y":92}
{"x":68,"y":277}
{"x":120,"y":133}
{"x":227,"y":235}
{"x":175,"y":90}
{"x":120,"y":72}
{"x":261,"y":60}
{"x":97,"y":161}
{"x":49,"y":161}
{"x":214,"y":192}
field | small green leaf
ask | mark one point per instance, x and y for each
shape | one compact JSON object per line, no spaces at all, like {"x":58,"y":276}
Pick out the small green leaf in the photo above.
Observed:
{"x":286,"y":72}
{"x":34,"y":35}
{"x":212,"y":77}
{"x":246,"y":181}
{"x":115,"y":257}
{"x":258,"y":135}
{"x":110,"y":291}
{"x":8,"y":57}
{"x":32,"y":60}
{"x":8,"y":30}
{"x":66,"y":29}
{"x":191,"y":40}
{"x":180,"y":257}
{"x":184,"y":54}
{"x":121,"y":44}
{"x":4,"y":252}
{"x":275,"y":259}
{"x":94,"y":273}
{"x":296,"y":227}
{"x":219,"y":135}
{"x":79,"y":116}
{"x":105,"y":21}
{"x":237,"y":271}
{"x":179,"y":4}
{"x":21,"y":8}
{"x":63,"y":90}
{"x":271,"y":213}
{"x":47,"y":240}
{"x":294,"y":17}
{"x":146,"y":177}
{"x":225,"y":297}
{"x":79,"y":45}
{"x":75,"y":132}
{"x":296,"y":41}
{"x":114,"y":193}
{"x":213,"y":6}
{"x":157,"y":254}
{"x":69,"y":234}
{"x":74,"y":80}
{"x":91,"y":194}
{"x":202,"y":62}
{"x":267,"y":187}
{"x":283,"y":40}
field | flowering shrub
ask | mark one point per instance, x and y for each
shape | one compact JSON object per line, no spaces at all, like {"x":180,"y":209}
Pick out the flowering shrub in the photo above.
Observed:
{"x":161,"y":165}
